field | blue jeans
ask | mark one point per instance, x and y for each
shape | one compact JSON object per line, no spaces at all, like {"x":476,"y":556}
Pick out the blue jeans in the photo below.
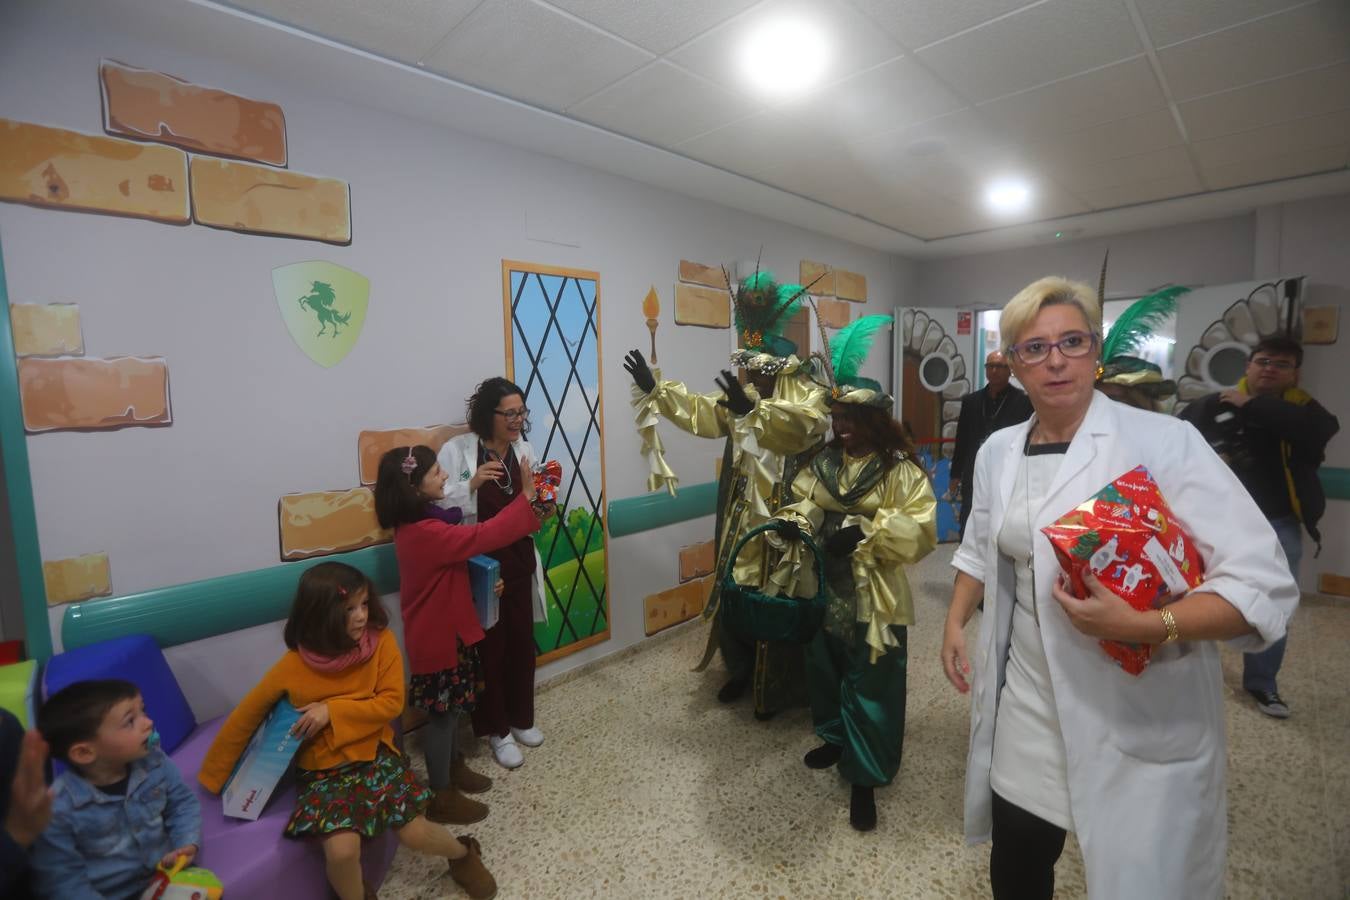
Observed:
{"x":1259,"y":669}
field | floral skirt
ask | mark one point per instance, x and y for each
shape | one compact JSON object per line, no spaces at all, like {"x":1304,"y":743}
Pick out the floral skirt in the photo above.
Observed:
{"x":449,"y":689}
{"x":367,"y":798}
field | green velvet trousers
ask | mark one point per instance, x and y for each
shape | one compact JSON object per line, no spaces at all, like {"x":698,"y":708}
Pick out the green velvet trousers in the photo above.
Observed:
{"x":858,"y":705}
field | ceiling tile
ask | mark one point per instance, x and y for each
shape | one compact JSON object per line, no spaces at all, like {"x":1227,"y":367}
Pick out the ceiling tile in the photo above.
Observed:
{"x":1143,"y":133}
{"x":1168,"y":21}
{"x":1042,"y":43}
{"x":1142,"y":191}
{"x":1088,"y":176}
{"x":659,"y":27}
{"x":532,"y":53}
{"x":1115,"y":92}
{"x":891,"y":95}
{"x":762,"y":144}
{"x":1301,"y":38}
{"x":1312,"y":133}
{"x":399,"y":29}
{"x":1292,"y":165}
{"x":917,"y":23}
{"x":662,"y":104}
{"x":855,"y":42}
{"x":1305,"y":94}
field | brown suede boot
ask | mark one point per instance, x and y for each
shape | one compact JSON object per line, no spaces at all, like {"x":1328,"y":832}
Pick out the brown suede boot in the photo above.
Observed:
{"x":450,"y":807}
{"x":466,"y":779}
{"x":469,"y":872}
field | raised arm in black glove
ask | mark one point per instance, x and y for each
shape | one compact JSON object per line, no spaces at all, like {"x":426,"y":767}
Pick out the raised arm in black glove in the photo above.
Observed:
{"x":844,"y":541}
{"x":638,"y":368}
{"x":736,"y":399}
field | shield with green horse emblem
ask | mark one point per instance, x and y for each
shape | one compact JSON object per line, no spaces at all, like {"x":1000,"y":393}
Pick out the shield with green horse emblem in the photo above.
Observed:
{"x":323,"y":306}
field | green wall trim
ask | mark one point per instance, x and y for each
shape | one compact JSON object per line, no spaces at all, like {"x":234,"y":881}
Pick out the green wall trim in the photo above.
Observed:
{"x":1336,"y":482}
{"x":647,"y":511}
{"x":19,"y":488}
{"x":203,"y":609}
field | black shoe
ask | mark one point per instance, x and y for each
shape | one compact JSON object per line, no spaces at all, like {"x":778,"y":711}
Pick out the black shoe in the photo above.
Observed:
{"x":823,"y":756}
{"x":733,"y":689}
{"x":1270,"y":703}
{"x":862,"y":809}
{"x":765,"y":715}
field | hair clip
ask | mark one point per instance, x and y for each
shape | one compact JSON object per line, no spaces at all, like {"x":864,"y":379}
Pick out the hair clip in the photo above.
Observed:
{"x":342,"y":591}
{"x":409,"y":462}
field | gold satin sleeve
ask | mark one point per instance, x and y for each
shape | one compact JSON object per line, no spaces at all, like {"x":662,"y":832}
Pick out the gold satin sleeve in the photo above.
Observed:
{"x":793,"y":572}
{"x":901,"y":531}
{"x":698,"y":414}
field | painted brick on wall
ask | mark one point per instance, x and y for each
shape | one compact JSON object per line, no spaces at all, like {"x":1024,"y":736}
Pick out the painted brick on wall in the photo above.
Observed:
{"x":81,"y":394}
{"x":246,"y":197}
{"x":371,"y":445}
{"x":46,"y":329}
{"x":809,"y":272}
{"x":850,"y":286}
{"x":834,"y":313}
{"x":697,"y":560}
{"x":697,"y":273}
{"x":671,"y":607}
{"x":702,"y":306}
{"x":78,"y":578}
{"x":62,"y":169}
{"x":149,"y":105}
{"x":323,"y":522}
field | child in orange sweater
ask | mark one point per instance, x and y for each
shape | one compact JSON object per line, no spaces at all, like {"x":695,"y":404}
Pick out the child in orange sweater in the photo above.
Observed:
{"x":344,"y":672}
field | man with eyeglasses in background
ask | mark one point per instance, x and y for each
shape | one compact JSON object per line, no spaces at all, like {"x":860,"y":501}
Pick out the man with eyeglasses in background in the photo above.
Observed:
{"x":1273,"y":435}
{"x":996,"y":405}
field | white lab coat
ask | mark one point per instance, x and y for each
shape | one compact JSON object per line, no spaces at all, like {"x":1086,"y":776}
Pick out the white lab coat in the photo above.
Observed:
{"x":1145,"y":754}
{"x":459,"y":459}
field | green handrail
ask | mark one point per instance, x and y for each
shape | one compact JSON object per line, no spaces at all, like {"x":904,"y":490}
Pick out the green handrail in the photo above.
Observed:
{"x":647,"y":511}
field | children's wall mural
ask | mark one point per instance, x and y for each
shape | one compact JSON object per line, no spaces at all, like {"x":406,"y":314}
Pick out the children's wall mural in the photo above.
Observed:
{"x":553,"y":353}
{"x":324,"y":306}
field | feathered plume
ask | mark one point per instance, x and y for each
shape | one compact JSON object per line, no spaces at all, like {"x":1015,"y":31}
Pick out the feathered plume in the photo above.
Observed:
{"x":850,"y":346}
{"x":1136,"y":324}
{"x":1101,"y":282}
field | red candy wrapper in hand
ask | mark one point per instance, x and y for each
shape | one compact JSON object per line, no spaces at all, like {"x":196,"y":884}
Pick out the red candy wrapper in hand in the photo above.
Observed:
{"x":1126,"y":535}
{"x":547,"y":478}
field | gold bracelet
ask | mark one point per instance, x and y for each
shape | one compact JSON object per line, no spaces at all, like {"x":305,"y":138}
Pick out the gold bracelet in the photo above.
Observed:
{"x":1170,"y":623}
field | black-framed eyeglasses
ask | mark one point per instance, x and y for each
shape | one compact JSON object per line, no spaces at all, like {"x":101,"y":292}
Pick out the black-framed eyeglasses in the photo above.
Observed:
{"x":1279,"y":365}
{"x":513,"y":415}
{"x":1073,"y":345}
{"x":988,"y":366}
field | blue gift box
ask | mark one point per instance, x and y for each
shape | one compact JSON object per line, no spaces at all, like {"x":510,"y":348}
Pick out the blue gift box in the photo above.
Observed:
{"x":263,"y":763}
{"x":484,"y":571}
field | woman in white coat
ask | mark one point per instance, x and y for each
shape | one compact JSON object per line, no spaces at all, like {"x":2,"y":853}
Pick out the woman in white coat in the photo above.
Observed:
{"x":486,"y":468}
{"x":1062,"y":739}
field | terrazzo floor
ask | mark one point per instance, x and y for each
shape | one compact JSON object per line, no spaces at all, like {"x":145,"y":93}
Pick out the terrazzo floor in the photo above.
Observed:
{"x":647,"y":787}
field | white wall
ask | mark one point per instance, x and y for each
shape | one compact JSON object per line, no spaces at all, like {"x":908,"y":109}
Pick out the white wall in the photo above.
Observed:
{"x":434,"y":212}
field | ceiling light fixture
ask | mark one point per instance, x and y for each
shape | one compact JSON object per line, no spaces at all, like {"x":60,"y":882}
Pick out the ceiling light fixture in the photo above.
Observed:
{"x":785,"y":57}
{"x":1008,"y":196}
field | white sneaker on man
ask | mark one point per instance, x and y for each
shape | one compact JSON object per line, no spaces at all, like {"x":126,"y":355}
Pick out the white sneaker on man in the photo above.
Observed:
{"x":505,"y":751}
{"x":530,"y":737}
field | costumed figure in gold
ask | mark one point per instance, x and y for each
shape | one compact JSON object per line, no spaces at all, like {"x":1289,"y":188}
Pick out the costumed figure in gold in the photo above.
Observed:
{"x":869,"y":506}
{"x":769,"y":425}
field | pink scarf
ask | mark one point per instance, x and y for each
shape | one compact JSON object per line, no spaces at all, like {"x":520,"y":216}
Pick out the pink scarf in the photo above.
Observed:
{"x":363,"y":651}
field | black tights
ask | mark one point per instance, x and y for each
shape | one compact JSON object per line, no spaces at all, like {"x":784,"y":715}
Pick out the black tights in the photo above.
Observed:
{"x":1026,"y":847}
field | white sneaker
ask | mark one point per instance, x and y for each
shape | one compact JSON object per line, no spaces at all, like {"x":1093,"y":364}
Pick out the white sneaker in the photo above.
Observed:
{"x":506,"y":752}
{"x":530,"y":737}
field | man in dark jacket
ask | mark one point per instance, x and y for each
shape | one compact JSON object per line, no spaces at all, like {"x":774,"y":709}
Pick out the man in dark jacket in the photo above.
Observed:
{"x":996,"y":405}
{"x":1274,"y":436}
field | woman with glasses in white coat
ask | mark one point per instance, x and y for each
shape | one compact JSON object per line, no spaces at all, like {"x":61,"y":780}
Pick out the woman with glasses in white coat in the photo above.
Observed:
{"x":486,"y":468}
{"x":1062,"y":739}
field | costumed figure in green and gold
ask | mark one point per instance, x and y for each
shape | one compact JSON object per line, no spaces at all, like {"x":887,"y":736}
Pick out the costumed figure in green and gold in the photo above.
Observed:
{"x":769,"y":425}
{"x":870,"y":507}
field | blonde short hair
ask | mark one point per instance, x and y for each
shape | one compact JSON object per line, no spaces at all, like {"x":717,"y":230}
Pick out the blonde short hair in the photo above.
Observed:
{"x":1049,"y":291}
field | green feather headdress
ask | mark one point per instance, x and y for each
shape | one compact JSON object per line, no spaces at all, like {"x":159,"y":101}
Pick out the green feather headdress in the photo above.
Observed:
{"x":1136,"y":325}
{"x":848,"y":351}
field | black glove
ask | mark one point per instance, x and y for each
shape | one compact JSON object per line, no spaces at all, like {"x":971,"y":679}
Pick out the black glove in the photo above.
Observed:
{"x":736,"y":400}
{"x":788,"y":529}
{"x":844,"y":541}
{"x":642,"y":374}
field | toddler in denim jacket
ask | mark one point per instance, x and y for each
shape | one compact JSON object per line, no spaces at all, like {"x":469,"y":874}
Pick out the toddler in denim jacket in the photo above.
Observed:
{"x":120,"y":808}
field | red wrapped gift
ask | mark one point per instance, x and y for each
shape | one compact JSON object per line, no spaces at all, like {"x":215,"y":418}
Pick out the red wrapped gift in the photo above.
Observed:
{"x":546,"y":480}
{"x":1126,"y":534}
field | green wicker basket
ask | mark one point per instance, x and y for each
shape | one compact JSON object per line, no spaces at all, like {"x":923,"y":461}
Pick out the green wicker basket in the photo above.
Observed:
{"x":755,"y":616}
